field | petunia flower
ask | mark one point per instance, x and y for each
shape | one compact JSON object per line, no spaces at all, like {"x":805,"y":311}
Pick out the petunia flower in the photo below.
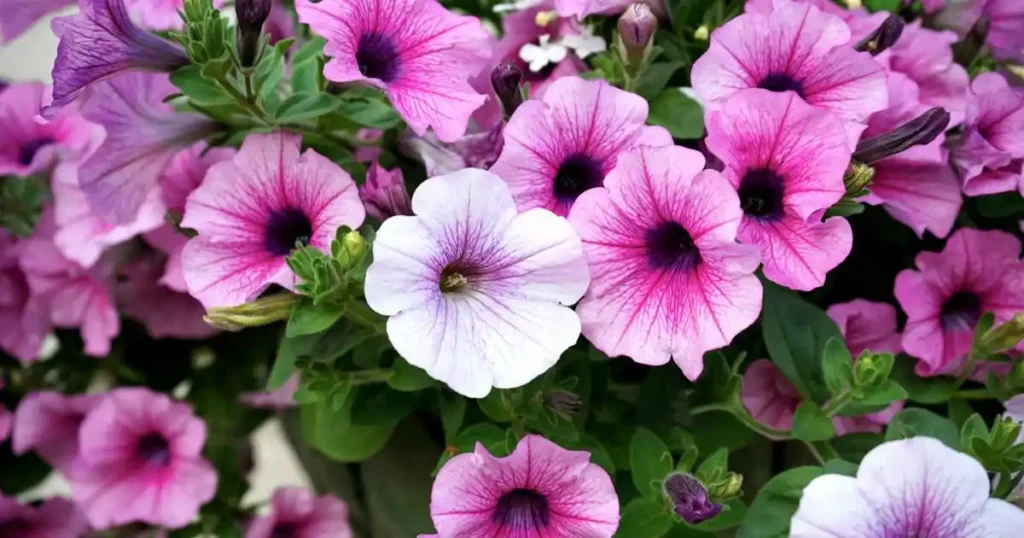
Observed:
{"x":559,"y":147}
{"x":475,"y":150}
{"x":925,"y":56}
{"x":416,"y":51}
{"x":251,"y":212}
{"x":477,"y":294}
{"x":140,"y":461}
{"x":989,"y":153}
{"x":20,"y":15}
{"x":540,"y":489}
{"x":55,"y":518}
{"x":99,"y":42}
{"x":384,"y":194}
{"x":297,"y":513}
{"x":165,"y":312}
{"x":796,"y":48}
{"x":690,"y":498}
{"x":47,"y":422}
{"x":911,"y":487}
{"x":978,"y":271}
{"x":160,"y":14}
{"x":29,"y":146}
{"x":768,"y":395}
{"x":668,"y":281}
{"x":786,"y":159}
{"x":24,"y":323}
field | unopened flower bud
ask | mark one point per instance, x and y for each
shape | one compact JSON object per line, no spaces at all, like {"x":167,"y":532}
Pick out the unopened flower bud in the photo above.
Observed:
{"x":858,"y":176}
{"x":251,"y":15}
{"x":1003,"y":337}
{"x":690,"y":498}
{"x":1004,"y":434}
{"x":636,"y":30}
{"x":916,"y":132}
{"x":505,"y":79}
{"x":354,"y":245}
{"x":882,"y":38}
{"x":563,"y":403}
{"x":384,"y":194}
{"x":701,"y":33}
{"x":252,"y":314}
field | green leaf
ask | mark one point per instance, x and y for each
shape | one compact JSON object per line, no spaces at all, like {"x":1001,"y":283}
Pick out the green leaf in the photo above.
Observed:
{"x":854,"y":446}
{"x":310,"y":50}
{"x":20,"y":473}
{"x":376,"y":404}
{"x":926,"y":390}
{"x":495,"y":406}
{"x":650,"y":461}
{"x":836,"y":366}
{"x":914,"y":422}
{"x":370,"y":113}
{"x":883,"y":5}
{"x":598,"y":453}
{"x":398,"y":495}
{"x":810,"y":423}
{"x":714,"y":466}
{"x":682,"y":116}
{"x":284,"y":365}
{"x":644,"y":518}
{"x":843,"y":467}
{"x":653,"y":80}
{"x":309,"y":318}
{"x":795,"y":333}
{"x":773,"y":508}
{"x":198,"y":88}
{"x":333,"y":432}
{"x":733,"y":513}
{"x":453,"y":412}
{"x":883,"y":395}
{"x":408,"y":378}
{"x":301,"y":107}
{"x":490,"y":436}
{"x":974,"y":427}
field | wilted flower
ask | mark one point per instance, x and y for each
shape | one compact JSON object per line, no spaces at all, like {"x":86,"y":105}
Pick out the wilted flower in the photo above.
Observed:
{"x":384,"y":194}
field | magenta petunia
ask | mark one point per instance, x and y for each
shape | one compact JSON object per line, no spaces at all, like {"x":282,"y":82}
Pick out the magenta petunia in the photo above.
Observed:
{"x":55,"y":518}
{"x":910,"y":487}
{"x":796,"y":48}
{"x":28,"y":145}
{"x":417,"y":52}
{"x":561,"y":146}
{"x":24,"y":322}
{"x":989,"y":152}
{"x":768,"y":395}
{"x":140,"y":460}
{"x":978,"y":271}
{"x":20,"y":15}
{"x":384,"y":194}
{"x":251,"y":212}
{"x":165,"y":312}
{"x":477,"y":294}
{"x":297,"y":513}
{"x":47,"y":422}
{"x":539,"y":490}
{"x":99,"y":42}
{"x":668,"y":281}
{"x":786,"y":159}
{"x":926,"y":57}
{"x":1004,"y":21}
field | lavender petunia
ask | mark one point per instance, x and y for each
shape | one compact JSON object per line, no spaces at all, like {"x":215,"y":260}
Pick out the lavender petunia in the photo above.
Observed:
{"x":47,"y":422}
{"x":24,"y":322}
{"x":298,"y":513}
{"x":20,"y":15}
{"x":475,"y":150}
{"x":477,"y":294}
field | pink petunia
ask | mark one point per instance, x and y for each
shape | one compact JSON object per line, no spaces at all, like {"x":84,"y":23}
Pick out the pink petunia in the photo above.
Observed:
{"x":926,"y":57}
{"x":297,"y":513}
{"x":561,"y":146}
{"x":140,"y":461}
{"x":24,"y":322}
{"x":417,"y":52}
{"x":20,"y":15}
{"x":539,"y":490}
{"x":29,"y":145}
{"x":282,"y":397}
{"x":54,"y":518}
{"x":1004,"y":19}
{"x":165,"y":312}
{"x":796,"y":48}
{"x":161,"y":14}
{"x":477,"y":294}
{"x":768,"y":395}
{"x":978,"y":271}
{"x":668,"y":280}
{"x":786,"y":159}
{"x":989,"y":153}
{"x":251,"y":212}
{"x":384,"y":194}
{"x":47,"y":422}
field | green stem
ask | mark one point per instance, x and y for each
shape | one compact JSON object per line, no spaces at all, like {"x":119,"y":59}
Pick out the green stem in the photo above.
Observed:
{"x":822,"y":451}
{"x":359,"y":313}
{"x":369,"y":377}
{"x":973,"y":394}
{"x":837,"y":403}
{"x":743,"y":416}
{"x":245,"y":102}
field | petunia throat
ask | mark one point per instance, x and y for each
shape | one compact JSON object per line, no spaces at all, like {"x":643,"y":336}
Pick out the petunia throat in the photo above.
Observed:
{"x":761,"y":193}
{"x":522,"y":510}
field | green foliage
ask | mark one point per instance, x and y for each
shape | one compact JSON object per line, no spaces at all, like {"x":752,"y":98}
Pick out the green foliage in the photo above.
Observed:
{"x":836,"y":366}
{"x":810,"y":423}
{"x":408,"y":378}
{"x":773,"y":508}
{"x":884,"y":5}
{"x":644,"y":518}
{"x":913,"y":422}
{"x":682,"y":116}
{"x":650,"y":462}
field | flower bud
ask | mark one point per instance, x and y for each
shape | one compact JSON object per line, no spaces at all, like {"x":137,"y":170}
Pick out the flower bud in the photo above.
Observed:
{"x":1005,"y":431}
{"x":251,"y":15}
{"x":563,"y":403}
{"x":505,"y":79}
{"x":252,"y":314}
{"x":384,"y":194}
{"x":690,"y":498}
{"x":354,"y":245}
{"x":916,"y":132}
{"x":884,"y":37}
{"x":858,"y":176}
{"x":636,"y":30}
{"x":1003,"y":337}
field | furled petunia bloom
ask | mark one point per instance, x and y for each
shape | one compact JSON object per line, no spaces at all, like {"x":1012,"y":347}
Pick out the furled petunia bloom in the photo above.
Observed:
{"x":20,"y":15}
{"x":54,"y":518}
{"x":668,"y":281}
{"x":47,"y":422}
{"x":99,"y":42}
{"x":559,"y":147}
{"x":165,"y":312}
{"x":911,"y":487}
{"x":384,"y":194}
{"x":251,"y":212}
{"x":24,"y":323}
{"x":417,"y":52}
{"x":786,"y":159}
{"x":989,"y":153}
{"x":768,"y":395}
{"x":477,"y":294}
{"x":796,"y":48}
{"x":540,"y":489}
{"x":978,"y":271}
{"x":140,"y":461}
{"x":29,"y":146}
{"x":297,"y":513}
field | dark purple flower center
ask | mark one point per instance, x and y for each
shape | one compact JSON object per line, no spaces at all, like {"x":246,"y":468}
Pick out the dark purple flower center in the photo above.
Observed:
{"x":521,"y":510}
{"x":286,"y":229}
{"x":30,"y":148}
{"x":285,"y":530}
{"x":761,"y":193}
{"x":669,"y":246}
{"x":377,"y":57}
{"x":961,"y":311}
{"x":578,"y":173}
{"x":154,"y":450}
{"x":781,"y":82}
{"x":454,"y":277}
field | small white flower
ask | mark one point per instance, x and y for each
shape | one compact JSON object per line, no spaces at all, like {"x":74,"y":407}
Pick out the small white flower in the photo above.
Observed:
{"x":541,"y":55}
{"x":585,"y":43}
{"x":518,"y":5}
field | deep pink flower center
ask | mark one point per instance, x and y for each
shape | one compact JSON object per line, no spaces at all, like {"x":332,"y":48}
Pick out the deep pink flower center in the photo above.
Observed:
{"x":670,"y":246}
{"x":761,"y":192}
{"x":154,"y":450}
{"x":30,"y":148}
{"x":578,"y":173}
{"x":781,"y":82}
{"x":377,"y":57}
{"x":286,"y":229}
{"x":521,"y":510}
{"x":16,"y":527}
{"x":961,"y":311}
